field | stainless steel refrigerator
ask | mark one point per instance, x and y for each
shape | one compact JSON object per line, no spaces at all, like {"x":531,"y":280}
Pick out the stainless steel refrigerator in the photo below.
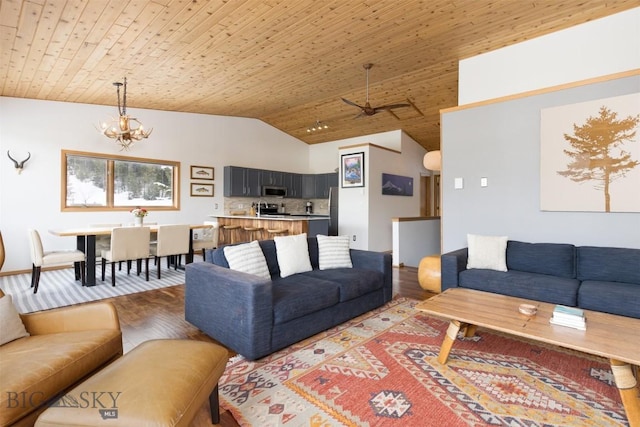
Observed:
{"x":333,"y":211}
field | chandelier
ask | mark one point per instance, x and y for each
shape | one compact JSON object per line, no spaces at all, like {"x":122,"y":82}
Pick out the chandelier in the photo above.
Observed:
{"x":317,"y":126}
{"x":125,"y":130}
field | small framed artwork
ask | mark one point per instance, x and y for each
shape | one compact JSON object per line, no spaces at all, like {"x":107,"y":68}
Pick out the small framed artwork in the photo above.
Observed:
{"x":397,"y":185}
{"x":201,"y":190}
{"x":352,"y":170}
{"x":201,"y":172}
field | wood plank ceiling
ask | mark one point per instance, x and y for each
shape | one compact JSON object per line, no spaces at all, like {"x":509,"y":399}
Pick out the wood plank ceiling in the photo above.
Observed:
{"x":286,"y":62}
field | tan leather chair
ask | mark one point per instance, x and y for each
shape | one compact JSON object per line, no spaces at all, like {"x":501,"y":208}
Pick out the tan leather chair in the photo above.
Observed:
{"x":41,"y":258}
{"x":210,"y":238}
{"x":65,"y":346}
{"x":172,"y":242}
{"x":127,"y":244}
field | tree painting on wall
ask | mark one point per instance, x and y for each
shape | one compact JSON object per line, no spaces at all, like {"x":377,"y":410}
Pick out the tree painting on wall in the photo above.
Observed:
{"x":590,"y":156}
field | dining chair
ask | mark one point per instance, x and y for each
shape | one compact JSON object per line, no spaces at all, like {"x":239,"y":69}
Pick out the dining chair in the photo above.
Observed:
{"x":172,"y":242}
{"x":209,"y":240}
{"x":127,"y":244}
{"x":41,"y":258}
{"x":103,"y":243}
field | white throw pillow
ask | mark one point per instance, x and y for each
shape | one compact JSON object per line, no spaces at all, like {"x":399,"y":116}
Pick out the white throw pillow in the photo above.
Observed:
{"x":293,"y":254}
{"x":11,"y":326}
{"x":248,"y":258}
{"x":488,"y":252}
{"x":333,"y":252}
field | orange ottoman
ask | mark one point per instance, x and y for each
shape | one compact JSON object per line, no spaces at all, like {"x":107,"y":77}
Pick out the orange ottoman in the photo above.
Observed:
{"x":159,"y":383}
{"x":429,"y":273}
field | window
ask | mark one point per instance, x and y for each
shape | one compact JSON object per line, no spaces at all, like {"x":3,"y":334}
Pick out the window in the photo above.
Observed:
{"x":108,"y":182}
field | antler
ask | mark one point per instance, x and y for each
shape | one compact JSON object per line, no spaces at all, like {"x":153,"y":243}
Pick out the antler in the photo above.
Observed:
{"x":19,"y":165}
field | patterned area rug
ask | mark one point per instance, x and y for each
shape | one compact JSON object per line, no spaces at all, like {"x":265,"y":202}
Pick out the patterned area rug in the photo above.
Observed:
{"x":59,"y":288}
{"x":381,"y":369}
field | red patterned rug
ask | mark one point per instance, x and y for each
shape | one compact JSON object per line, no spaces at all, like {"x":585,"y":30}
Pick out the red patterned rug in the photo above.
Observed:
{"x":381,"y":369}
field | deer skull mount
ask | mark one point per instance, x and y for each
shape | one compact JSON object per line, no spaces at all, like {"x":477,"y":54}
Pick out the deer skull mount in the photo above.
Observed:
{"x":19,"y":165}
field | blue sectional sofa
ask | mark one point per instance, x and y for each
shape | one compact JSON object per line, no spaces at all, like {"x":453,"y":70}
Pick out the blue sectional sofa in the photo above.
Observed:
{"x":594,"y":278}
{"x":255,"y":316}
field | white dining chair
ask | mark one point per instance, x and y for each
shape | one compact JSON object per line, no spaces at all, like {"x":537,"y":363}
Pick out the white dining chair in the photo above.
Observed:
{"x":209,"y":238}
{"x":172,"y":241}
{"x":41,"y":258}
{"x":127,"y":244}
{"x":103,"y":243}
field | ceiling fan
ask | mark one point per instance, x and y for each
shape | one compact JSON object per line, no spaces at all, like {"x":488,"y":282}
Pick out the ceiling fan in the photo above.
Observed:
{"x":367,"y":109}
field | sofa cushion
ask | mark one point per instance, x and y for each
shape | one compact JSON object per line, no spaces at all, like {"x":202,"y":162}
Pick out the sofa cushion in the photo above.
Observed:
{"x":353,"y":282}
{"x":293,"y":254}
{"x":610,"y":297}
{"x":333,"y":252}
{"x":248,"y":258}
{"x":555,"y":259}
{"x":487,"y":252}
{"x":540,"y":287}
{"x":609,"y":264}
{"x":51,"y":363}
{"x":298,"y":295}
{"x":12,"y":327}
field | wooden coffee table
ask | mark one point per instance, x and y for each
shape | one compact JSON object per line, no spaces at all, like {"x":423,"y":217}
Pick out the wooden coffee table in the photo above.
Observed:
{"x":616,"y":338}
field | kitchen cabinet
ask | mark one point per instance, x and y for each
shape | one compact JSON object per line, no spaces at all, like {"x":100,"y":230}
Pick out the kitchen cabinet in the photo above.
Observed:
{"x":324,"y":181}
{"x":248,"y":182}
{"x":308,"y":186}
{"x":274,"y":178}
{"x":293,"y":182}
{"x":241,"y":182}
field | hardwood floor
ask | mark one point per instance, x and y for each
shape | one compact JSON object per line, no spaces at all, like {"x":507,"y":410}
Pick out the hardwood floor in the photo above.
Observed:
{"x":160,"y":314}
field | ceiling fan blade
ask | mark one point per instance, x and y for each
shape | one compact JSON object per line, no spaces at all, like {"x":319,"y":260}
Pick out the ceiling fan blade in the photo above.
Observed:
{"x":346,"y":101}
{"x":391,"y":106}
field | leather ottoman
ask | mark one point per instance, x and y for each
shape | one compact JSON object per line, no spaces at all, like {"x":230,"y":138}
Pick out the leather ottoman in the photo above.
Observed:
{"x":159,"y":383}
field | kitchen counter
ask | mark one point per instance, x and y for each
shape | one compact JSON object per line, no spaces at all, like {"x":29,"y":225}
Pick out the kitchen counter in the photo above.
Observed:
{"x":276,"y":217}
{"x":294,"y":224}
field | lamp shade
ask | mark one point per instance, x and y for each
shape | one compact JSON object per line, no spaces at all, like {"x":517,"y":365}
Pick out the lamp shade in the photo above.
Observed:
{"x":433,"y":160}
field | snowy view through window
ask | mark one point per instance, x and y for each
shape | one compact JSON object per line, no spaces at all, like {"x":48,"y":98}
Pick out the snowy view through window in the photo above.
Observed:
{"x":134,"y":183}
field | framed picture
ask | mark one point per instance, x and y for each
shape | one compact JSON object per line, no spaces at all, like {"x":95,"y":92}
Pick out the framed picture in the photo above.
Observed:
{"x":201,"y":172}
{"x":352,"y":170}
{"x":397,"y":185}
{"x":201,"y":190}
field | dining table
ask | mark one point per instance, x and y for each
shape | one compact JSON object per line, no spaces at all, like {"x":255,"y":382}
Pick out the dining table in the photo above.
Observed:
{"x":86,"y":242}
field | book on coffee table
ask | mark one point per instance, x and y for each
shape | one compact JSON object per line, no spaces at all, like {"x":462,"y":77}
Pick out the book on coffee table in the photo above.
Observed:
{"x":571,"y":317}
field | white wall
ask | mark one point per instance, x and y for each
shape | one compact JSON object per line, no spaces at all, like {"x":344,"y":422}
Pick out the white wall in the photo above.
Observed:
{"x":364,"y":212}
{"x":44,"y":128}
{"x":413,"y":240}
{"x":501,"y":140}
{"x":597,"y":48}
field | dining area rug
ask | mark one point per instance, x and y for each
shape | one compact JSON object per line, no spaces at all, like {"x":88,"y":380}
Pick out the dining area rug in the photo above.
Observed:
{"x":381,"y":369}
{"x":58,"y":288}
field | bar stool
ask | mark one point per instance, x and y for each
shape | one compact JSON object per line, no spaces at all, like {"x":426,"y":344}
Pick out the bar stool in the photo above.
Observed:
{"x":253,"y":233}
{"x":277,"y":232}
{"x":230,"y":234}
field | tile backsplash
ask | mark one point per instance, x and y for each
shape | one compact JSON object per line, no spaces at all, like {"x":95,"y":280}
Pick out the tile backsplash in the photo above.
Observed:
{"x":293,"y":206}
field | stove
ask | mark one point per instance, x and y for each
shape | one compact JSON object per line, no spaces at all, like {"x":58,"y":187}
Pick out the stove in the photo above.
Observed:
{"x":267,"y":209}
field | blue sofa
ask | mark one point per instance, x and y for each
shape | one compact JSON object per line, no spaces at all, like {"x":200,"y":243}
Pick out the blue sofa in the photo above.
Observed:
{"x":594,"y":278}
{"x":255,"y":316}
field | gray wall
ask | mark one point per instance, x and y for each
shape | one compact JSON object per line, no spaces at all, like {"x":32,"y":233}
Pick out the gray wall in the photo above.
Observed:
{"x":501,"y":141}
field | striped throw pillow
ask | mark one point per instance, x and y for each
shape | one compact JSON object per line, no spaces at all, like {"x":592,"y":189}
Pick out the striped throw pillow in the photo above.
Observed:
{"x":333,"y":252}
{"x":248,"y":258}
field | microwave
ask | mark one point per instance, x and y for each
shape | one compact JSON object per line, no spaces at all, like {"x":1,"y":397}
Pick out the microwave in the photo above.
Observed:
{"x":271,"y":191}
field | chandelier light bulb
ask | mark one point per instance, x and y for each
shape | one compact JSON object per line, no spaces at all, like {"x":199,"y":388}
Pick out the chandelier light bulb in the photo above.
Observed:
{"x":125,"y":130}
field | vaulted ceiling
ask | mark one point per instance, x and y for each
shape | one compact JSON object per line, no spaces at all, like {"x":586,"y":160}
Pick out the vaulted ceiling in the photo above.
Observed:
{"x":286,"y":62}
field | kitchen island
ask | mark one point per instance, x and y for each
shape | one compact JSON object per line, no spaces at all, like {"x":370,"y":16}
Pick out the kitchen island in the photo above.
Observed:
{"x":294,"y":224}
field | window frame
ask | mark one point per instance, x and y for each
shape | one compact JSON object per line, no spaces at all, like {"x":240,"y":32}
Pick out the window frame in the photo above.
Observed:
{"x":111,"y":159}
